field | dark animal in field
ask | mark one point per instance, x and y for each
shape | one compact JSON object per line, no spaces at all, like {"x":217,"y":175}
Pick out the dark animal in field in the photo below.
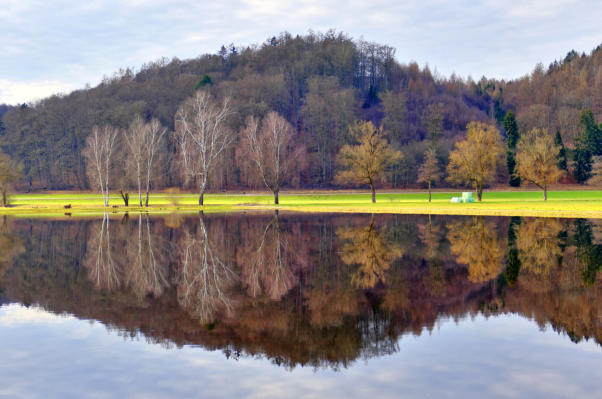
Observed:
{"x":67,"y":206}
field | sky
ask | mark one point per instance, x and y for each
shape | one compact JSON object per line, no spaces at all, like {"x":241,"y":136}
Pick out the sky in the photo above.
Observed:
{"x":49,"y":47}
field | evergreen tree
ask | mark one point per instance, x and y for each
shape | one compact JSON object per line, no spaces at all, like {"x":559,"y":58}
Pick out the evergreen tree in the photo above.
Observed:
{"x":583,"y":162}
{"x":511,"y":128}
{"x":590,"y":132}
{"x":205,"y":81}
{"x":562,"y":163}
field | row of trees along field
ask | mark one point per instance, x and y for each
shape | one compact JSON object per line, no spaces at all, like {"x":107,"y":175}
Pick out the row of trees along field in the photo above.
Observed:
{"x":320,"y":84}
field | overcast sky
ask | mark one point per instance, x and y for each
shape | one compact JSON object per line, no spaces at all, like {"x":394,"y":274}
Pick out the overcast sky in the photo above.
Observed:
{"x":60,"y":45}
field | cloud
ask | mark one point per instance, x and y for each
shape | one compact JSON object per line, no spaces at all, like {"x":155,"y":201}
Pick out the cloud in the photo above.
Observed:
{"x":18,"y":92}
{"x":531,"y":8}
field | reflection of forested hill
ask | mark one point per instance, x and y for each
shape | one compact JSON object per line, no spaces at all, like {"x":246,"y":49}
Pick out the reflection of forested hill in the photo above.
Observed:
{"x":295,"y":288}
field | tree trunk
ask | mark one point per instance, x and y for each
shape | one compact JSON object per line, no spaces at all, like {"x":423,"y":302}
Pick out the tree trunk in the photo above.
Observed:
{"x":146,"y":200}
{"x":139,"y":190}
{"x":429,"y":191}
{"x":479,"y":193}
{"x":4,"y":202}
{"x":373,"y":192}
{"x":202,"y":197}
{"x":126,"y":198}
{"x":276,"y":201}
{"x":545,"y":192}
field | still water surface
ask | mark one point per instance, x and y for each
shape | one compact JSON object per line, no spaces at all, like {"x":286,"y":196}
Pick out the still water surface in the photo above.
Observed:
{"x":288,"y":305}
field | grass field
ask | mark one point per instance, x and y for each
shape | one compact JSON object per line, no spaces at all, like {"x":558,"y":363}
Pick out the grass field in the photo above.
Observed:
{"x":508,"y":203}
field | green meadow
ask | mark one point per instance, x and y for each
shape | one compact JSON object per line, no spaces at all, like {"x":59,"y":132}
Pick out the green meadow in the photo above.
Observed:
{"x":508,"y":203}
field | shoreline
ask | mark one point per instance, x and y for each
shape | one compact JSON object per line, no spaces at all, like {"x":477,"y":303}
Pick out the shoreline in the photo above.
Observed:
{"x":563,"y":204}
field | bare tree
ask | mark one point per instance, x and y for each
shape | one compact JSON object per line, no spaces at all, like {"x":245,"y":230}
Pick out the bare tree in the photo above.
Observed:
{"x":98,"y":154}
{"x":474,"y":160}
{"x":202,"y":136}
{"x":368,"y":160}
{"x":537,"y":159}
{"x":10,"y":172}
{"x":429,"y":171}
{"x":271,"y":150}
{"x":143,"y":142}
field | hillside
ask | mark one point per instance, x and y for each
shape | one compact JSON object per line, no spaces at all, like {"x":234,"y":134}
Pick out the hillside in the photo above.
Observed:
{"x":318,"y":82}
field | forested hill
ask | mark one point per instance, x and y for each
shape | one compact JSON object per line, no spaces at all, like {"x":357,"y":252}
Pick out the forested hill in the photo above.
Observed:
{"x":321,"y":83}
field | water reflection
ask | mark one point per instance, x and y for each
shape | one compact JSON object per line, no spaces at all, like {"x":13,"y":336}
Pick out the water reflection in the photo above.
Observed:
{"x":319,"y":290}
{"x":477,"y":242}
{"x":370,"y":248}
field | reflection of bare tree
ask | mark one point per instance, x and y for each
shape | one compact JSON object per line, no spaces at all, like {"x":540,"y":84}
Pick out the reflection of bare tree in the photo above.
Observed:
{"x":269,"y":269}
{"x":11,"y":246}
{"x":368,"y":247}
{"x":538,"y":244}
{"x":103,"y":269}
{"x":476,"y":243}
{"x":146,"y":268}
{"x":431,"y":235}
{"x":204,"y":278}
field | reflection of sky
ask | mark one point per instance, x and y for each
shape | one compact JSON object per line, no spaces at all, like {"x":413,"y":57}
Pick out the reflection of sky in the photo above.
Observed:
{"x":49,"y":356}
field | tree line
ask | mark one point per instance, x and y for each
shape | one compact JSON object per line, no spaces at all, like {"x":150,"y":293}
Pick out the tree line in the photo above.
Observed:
{"x":320,"y":84}
{"x":203,"y":136}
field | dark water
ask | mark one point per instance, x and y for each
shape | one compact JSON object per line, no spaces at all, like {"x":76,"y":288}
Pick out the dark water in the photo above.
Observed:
{"x":325,"y":306}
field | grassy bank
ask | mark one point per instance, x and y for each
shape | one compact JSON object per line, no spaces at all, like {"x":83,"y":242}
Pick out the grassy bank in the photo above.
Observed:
{"x":507,"y":203}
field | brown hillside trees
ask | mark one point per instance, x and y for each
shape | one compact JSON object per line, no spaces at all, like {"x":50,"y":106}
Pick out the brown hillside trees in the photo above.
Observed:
{"x":367,"y":161}
{"x":537,"y":159}
{"x":474,"y":160}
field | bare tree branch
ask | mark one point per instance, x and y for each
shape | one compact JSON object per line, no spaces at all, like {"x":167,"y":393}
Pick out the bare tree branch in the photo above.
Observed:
{"x":98,"y":154}
{"x":202,"y":136}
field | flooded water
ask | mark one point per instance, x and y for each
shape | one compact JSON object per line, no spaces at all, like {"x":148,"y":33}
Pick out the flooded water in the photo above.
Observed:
{"x":301,"y":306}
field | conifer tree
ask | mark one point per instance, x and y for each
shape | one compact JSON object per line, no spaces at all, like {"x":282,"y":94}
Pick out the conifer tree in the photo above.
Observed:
{"x":582,"y":158}
{"x":591,"y":135}
{"x":562,"y":163}
{"x":511,"y":128}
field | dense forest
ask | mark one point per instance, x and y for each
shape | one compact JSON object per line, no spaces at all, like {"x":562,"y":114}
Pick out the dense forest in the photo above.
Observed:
{"x":321,"y":83}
